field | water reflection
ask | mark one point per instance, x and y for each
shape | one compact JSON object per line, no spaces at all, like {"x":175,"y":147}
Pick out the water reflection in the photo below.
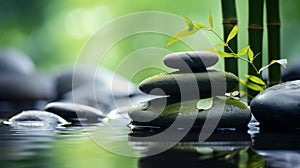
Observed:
{"x":280,"y":149}
{"x":72,"y":147}
{"x":221,"y":149}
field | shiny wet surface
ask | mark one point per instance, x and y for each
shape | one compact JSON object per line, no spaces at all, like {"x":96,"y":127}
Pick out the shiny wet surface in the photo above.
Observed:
{"x":79,"y":147}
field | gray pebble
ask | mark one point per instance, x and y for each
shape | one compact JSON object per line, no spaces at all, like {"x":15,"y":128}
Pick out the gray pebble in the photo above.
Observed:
{"x":194,"y":61}
{"x":13,"y":61}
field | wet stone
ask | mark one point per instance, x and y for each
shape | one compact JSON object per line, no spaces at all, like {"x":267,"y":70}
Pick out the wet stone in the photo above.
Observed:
{"x":232,"y":114}
{"x":74,"y":112}
{"x":278,"y":106}
{"x":195,"y":61}
{"x":187,"y":84}
{"x":36,"y":119}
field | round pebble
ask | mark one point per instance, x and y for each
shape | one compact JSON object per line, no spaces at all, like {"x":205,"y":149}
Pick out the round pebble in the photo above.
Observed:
{"x":234,"y":114}
{"x":187,"y":84}
{"x":74,"y":112}
{"x":194,"y":61}
{"x":13,"y":61}
{"x":278,"y":106}
{"x":29,"y":87}
{"x":36,"y":119}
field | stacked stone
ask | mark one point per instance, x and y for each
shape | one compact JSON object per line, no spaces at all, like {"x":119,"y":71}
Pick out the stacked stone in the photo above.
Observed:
{"x":184,"y":88}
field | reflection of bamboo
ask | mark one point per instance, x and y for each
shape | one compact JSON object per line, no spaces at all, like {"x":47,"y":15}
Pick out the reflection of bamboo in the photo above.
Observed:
{"x":255,"y":32}
{"x":229,"y":21}
{"x":273,"y":23}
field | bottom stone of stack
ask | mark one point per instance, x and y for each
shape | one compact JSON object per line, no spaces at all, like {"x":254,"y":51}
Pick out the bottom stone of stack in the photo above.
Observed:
{"x":229,"y":113}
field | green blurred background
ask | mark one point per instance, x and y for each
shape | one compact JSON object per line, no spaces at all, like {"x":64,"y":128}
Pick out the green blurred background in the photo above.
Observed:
{"x":53,"y":32}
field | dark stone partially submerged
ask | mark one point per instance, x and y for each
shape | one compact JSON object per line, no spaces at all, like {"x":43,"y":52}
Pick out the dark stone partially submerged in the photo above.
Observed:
{"x":234,"y":114}
{"x":278,"y":106}
{"x":74,"y":112}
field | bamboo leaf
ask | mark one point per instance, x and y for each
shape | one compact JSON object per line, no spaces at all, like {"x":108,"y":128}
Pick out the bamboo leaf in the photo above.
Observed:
{"x":205,"y":104}
{"x":265,"y":67}
{"x":232,"y":33}
{"x":250,"y":55}
{"x":199,"y":25}
{"x":256,"y":55}
{"x":211,"y":23}
{"x":243,"y":51}
{"x":220,"y":53}
{"x":235,"y":93}
{"x":221,"y":44}
{"x":182,"y":34}
{"x":252,"y":85}
{"x":224,"y":98}
{"x":189,"y":23}
{"x":282,"y":62}
{"x":255,"y":79}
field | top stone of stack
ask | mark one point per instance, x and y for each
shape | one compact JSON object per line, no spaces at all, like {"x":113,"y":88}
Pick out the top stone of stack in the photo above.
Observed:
{"x":193,"y":61}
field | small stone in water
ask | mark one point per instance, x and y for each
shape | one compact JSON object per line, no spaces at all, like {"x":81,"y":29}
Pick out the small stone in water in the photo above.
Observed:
{"x":73,"y":111}
{"x":36,"y":119}
{"x":278,"y":106}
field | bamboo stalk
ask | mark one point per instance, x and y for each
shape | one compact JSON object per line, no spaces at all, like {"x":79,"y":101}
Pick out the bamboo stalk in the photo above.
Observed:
{"x":273,"y":23}
{"x":229,"y":21}
{"x":255,"y":33}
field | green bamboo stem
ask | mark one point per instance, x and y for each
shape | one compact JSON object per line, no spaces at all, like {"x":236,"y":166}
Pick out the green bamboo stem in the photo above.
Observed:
{"x":273,"y":23}
{"x":229,"y":21}
{"x":255,"y":33}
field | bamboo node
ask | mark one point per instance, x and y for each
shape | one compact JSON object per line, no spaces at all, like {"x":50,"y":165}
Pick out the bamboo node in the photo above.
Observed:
{"x":274,"y":24}
{"x":230,"y":22}
{"x":255,"y":27}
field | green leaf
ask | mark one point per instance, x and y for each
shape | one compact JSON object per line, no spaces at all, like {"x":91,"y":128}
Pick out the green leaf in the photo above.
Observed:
{"x":220,"y":53}
{"x":189,"y":23}
{"x":199,"y":25}
{"x":224,"y":98}
{"x":255,"y":79}
{"x":205,"y":150}
{"x":232,"y":33}
{"x":250,"y":55}
{"x":182,"y":34}
{"x":243,"y":51}
{"x":221,"y":44}
{"x":205,"y":104}
{"x":252,"y":85}
{"x":211,"y":23}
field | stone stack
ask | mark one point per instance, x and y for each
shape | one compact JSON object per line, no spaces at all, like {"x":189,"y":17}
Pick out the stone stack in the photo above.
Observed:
{"x":184,"y":88}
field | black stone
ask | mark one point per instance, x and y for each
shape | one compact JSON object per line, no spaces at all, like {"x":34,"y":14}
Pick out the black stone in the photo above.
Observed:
{"x":278,"y":106}
{"x":232,"y":113}
{"x":29,"y":87}
{"x":74,"y":112}
{"x":190,"y":85}
{"x":13,"y":61}
{"x":292,"y":73}
{"x":85,"y":80}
